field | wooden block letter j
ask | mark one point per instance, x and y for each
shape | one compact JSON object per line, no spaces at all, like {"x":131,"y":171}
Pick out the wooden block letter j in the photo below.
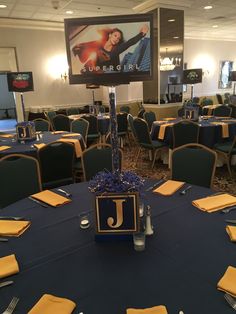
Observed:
{"x":119,"y":214}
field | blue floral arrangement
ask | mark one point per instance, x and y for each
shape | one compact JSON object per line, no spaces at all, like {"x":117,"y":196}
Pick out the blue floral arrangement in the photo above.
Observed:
{"x":115,"y":182}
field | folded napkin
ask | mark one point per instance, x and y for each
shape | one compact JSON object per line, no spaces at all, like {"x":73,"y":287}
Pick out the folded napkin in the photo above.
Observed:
{"x":161,"y":309}
{"x":70,"y":134}
{"x":12,"y":228}
{"x":40,"y":145}
{"x":159,"y":122}
{"x":225,"y":128}
{"x":76,"y":142}
{"x":4,"y":147}
{"x":49,"y":304}
{"x":228,"y":282}
{"x":7,"y":135}
{"x":162,"y":130}
{"x":169,"y":187}
{"x":8,"y":266}
{"x":231,"y":230}
{"x":58,"y":132}
{"x":214,"y":203}
{"x":169,"y":119}
{"x":51,"y":198}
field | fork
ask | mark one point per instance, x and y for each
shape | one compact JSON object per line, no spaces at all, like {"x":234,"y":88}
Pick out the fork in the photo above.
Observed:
{"x":227,"y":210}
{"x":11,"y":306}
{"x":12,"y":217}
{"x":230,"y":300}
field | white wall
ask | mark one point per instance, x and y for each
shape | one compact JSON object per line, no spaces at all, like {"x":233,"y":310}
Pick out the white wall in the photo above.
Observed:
{"x":207,"y":54}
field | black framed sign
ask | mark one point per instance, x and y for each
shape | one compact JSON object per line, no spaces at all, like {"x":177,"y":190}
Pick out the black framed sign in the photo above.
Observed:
{"x":117,"y":213}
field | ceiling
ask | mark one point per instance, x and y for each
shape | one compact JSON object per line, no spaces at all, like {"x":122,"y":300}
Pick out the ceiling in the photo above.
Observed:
{"x":198,"y":22}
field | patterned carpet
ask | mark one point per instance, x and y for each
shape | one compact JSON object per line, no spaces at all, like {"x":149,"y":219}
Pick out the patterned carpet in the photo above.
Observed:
{"x":222,"y":180}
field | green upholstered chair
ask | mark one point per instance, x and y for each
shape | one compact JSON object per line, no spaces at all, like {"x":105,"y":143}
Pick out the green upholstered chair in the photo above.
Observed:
{"x":144,"y":140}
{"x":80,"y":126}
{"x":193,"y":163}
{"x":98,"y":158}
{"x":41,"y":125}
{"x":72,"y":111}
{"x":227,"y":150}
{"x":61,"y":123}
{"x":56,"y":161}
{"x":185,"y":132}
{"x":222,"y":111}
{"x":93,"y":133}
{"x":122,"y":127}
{"x":125,"y":109}
{"x":20,"y":177}
{"x":50,"y":115}
{"x":149,"y":117}
{"x":131,"y":128}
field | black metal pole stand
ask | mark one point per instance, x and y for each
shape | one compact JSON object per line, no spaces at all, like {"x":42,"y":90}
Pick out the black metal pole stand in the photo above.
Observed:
{"x":23,"y":105}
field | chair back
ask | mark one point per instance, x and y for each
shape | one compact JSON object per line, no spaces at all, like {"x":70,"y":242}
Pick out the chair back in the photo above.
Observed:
{"x":140,"y":113}
{"x":125,"y":109}
{"x":194,"y":164}
{"x":185,"y":132}
{"x":130,"y":119}
{"x":219,"y":99}
{"x":207,"y":102}
{"x":61,"y":123}
{"x":181,"y":112}
{"x":222,"y":111}
{"x":80,"y":126}
{"x":98,"y":158}
{"x":93,"y":123}
{"x":56,"y":163}
{"x":50,"y":115}
{"x":41,"y":125}
{"x":122,"y":122}
{"x":142,"y":132}
{"x":149,"y":117}
{"x":72,"y":111}
{"x":20,"y":177}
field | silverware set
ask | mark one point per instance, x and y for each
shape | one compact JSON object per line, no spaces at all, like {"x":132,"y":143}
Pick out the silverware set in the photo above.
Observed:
{"x":12,"y":305}
{"x":11,"y":218}
{"x":183,"y":192}
{"x":67,"y":194}
{"x":231,"y":301}
{"x":6,"y":283}
{"x":154,"y":185}
{"x":38,"y":202}
{"x":227,"y":210}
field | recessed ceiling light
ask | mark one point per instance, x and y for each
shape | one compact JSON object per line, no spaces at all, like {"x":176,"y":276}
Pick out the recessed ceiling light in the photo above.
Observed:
{"x":69,"y":12}
{"x":171,"y":20}
{"x":208,"y":7}
{"x":214,"y":26}
{"x":2,"y":6}
{"x":176,"y":37}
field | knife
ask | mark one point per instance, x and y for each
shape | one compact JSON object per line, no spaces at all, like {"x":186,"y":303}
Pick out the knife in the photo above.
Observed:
{"x":11,"y":217}
{"x":6,"y":283}
{"x":64,"y":192}
{"x":38,"y":202}
{"x":185,"y":190}
{"x":154,"y":185}
{"x":3,"y":240}
{"x":232,"y":221}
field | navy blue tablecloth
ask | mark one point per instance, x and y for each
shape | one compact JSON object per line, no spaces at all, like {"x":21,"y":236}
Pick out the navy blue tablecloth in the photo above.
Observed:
{"x":209,"y":133}
{"x":183,"y":261}
{"x":27,"y":147}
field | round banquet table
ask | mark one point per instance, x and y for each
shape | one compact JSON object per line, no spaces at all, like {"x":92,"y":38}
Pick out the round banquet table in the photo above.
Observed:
{"x":180,"y":267}
{"x":27,"y":147}
{"x":209,"y":134}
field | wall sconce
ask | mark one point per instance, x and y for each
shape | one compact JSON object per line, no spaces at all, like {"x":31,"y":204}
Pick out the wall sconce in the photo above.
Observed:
{"x":64,"y":76}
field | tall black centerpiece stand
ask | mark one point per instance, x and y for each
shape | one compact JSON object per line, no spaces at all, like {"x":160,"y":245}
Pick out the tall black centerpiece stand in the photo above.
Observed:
{"x":113,"y":125}
{"x":23,"y":105}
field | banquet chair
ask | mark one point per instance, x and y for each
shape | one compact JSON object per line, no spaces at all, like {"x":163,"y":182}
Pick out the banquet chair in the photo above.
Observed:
{"x":20,"y":177}
{"x":50,"y":115}
{"x":93,"y":133}
{"x":61,"y":123}
{"x":41,"y":125}
{"x":141,"y":113}
{"x":98,"y":158}
{"x":72,"y":111}
{"x":219,"y":98}
{"x":227,"y":150}
{"x":125,"y":109}
{"x":185,"y":132}
{"x":80,"y":126}
{"x":144,"y":139}
{"x":130,"y":120}
{"x":222,"y":111}
{"x":56,"y":161}
{"x":149,"y":117}
{"x":122,"y":127}
{"x":193,"y":163}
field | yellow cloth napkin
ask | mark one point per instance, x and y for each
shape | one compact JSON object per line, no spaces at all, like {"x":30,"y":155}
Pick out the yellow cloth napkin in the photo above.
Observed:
{"x":7,"y":135}
{"x":51,"y":198}
{"x":13,"y":228}
{"x":78,"y":150}
{"x":161,"y":309}
{"x":38,"y":146}
{"x":4,"y":147}
{"x":162,"y":130}
{"x":49,"y":304}
{"x":225,"y":128}
{"x":231,"y":230}
{"x":8,"y":266}
{"x":169,"y":119}
{"x":214,"y":203}
{"x":169,"y":187}
{"x":228,"y":282}
{"x":58,"y":132}
{"x":70,"y":134}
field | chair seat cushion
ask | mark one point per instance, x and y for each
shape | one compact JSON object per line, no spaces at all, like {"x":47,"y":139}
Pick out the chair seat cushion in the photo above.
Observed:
{"x":225,"y":147}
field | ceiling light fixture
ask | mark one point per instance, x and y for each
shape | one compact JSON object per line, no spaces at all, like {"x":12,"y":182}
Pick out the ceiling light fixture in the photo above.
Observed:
{"x":176,"y":37}
{"x":69,"y":12}
{"x":171,"y":20}
{"x":208,"y":7}
{"x":168,"y":64}
{"x":214,"y":26}
{"x":2,"y":6}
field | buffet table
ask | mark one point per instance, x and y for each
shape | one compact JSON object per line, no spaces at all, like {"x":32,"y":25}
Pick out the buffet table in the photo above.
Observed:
{"x":180,"y":267}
